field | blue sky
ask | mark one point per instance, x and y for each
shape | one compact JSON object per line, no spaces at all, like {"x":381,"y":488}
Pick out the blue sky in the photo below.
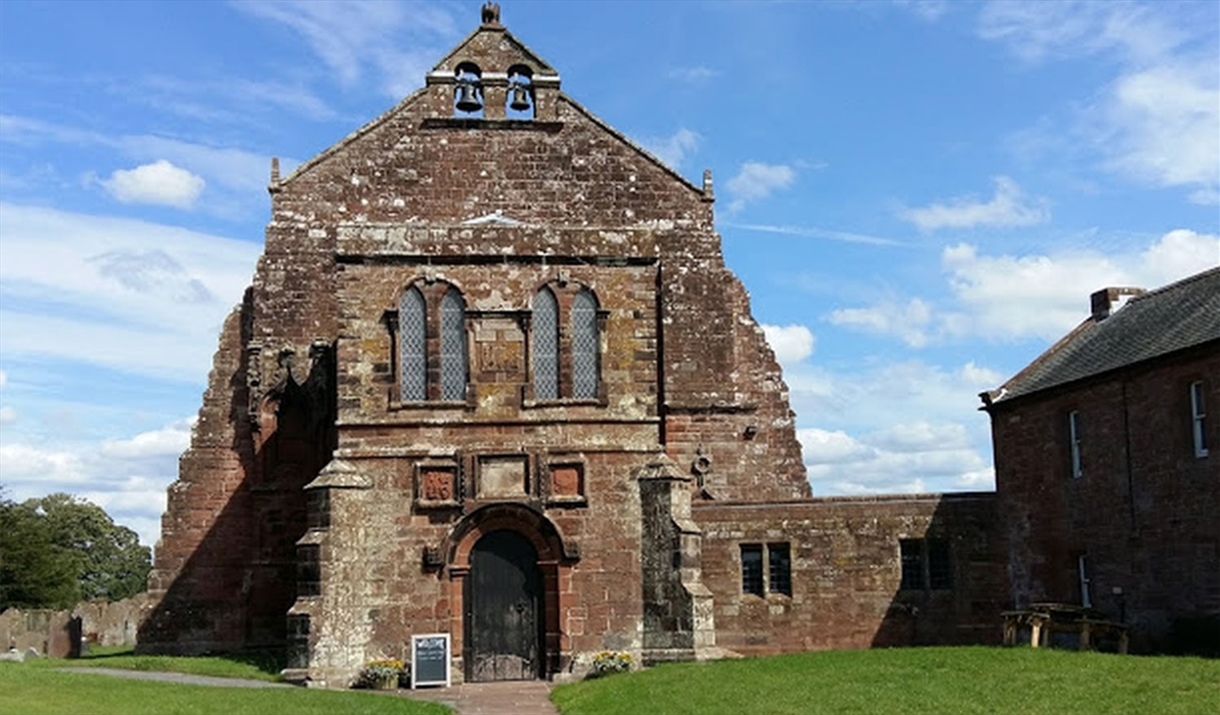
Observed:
{"x":919,"y":196}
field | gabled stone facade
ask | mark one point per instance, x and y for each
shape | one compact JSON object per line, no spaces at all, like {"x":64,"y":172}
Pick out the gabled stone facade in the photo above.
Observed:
{"x":496,"y":344}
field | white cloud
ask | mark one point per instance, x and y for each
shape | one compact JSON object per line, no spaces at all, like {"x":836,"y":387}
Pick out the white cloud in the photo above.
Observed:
{"x":244,"y":173}
{"x":1161,"y":126}
{"x":892,"y":427}
{"x":169,"y":440}
{"x":57,"y":469}
{"x":1005,"y":297}
{"x":1158,"y":121}
{"x":693,"y":75}
{"x":7,"y":415}
{"x":756,"y":181}
{"x":144,"y":298}
{"x":910,"y":321}
{"x":1008,"y":297}
{"x":355,"y":36}
{"x":830,"y":447}
{"x":1036,"y":31}
{"x":674,"y":149}
{"x":816,"y":232}
{"x":3,"y":379}
{"x":926,"y":10}
{"x":127,"y":478}
{"x":1008,"y":207}
{"x":791,"y":343}
{"x":157,"y":183}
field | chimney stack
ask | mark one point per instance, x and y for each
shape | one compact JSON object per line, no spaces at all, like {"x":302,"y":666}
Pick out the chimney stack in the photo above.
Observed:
{"x":1104,"y":301}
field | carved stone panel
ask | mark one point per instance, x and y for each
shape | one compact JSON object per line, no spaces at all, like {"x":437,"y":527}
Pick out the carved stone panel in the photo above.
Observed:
{"x":503,"y":477}
{"x":499,"y":346}
{"x":436,"y":484}
{"x":566,"y":482}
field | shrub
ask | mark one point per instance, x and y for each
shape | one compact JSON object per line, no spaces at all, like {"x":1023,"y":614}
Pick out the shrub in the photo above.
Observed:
{"x":611,"y":661}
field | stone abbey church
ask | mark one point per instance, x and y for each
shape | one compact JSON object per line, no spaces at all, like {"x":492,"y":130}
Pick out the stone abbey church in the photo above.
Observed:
{"x":493,"y":379}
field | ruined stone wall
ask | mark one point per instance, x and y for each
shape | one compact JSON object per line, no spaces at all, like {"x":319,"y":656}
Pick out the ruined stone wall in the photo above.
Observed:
{"x":846,"y":572}
{"x":1142,"y":511}
{"x":103,"y":623}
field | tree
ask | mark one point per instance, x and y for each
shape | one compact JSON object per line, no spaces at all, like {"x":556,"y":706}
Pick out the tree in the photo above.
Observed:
{"x":33,"y":572}
{"x":43,"y":539}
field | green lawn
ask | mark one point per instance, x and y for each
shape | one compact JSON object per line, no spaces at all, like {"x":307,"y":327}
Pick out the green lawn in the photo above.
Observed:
{"x":251,"y":666}
{"x":908,"y":680}
{"x":37,"y":688}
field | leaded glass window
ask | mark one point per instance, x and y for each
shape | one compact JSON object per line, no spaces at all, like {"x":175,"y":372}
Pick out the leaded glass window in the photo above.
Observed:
{"x":780,"y":569}
{"x":453,"y":346}
{"x":546,"y":345}
{"x":911,"y":551}
{"x":940,"y":566}
{"x":584,"y":345}
{"x":412,"y":341}
{"x":752,"y":569}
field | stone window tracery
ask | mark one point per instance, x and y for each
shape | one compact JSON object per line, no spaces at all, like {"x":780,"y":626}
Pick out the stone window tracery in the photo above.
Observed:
{"x":546,"y":345}
{"x":431,"y":341}
{"x":413,"y":353}
{"x":565,"y":343}
{"x":584,"y":345}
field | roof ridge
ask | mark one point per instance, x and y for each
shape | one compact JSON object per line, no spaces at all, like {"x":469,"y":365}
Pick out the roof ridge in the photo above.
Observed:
{"x":1175,"y":285}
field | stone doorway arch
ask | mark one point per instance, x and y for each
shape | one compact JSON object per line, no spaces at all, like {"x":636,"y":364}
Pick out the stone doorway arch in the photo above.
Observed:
{"x":553,"y":559}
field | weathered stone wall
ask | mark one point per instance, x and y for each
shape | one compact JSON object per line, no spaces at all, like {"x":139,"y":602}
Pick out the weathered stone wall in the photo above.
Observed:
{"x":103,"y":623}
{"x":846,"y":572}
{"x":1144,"y":508}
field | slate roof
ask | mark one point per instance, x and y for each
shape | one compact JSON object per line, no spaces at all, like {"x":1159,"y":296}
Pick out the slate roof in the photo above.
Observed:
{"x":1175,"y":317}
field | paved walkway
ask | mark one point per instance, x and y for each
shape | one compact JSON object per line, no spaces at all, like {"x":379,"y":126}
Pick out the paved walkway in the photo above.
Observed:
{"x":518,"y":697}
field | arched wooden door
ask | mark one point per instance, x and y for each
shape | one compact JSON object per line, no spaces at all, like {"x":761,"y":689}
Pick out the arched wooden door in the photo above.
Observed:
{"x":503,"y":598}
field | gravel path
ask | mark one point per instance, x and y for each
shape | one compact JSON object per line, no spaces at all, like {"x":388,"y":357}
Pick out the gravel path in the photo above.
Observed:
{"x":182,"y":678}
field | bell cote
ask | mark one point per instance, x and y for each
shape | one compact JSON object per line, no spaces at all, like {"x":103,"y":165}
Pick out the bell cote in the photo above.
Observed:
{"x":493,"y":75}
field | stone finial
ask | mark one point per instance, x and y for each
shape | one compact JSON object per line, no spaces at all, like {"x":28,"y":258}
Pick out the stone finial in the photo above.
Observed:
{"x":274,"y":185}
{"x":707,"y":183}
{"x":491,"y":13}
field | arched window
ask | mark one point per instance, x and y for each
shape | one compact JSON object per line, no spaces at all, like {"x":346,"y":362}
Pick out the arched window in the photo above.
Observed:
{"x":413,"y":352}
{"x":584,"y":345}
{"x":453,"y":346}
{"x":546,"y":345}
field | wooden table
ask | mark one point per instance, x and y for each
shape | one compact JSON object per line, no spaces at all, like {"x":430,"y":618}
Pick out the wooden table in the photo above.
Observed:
{"x":1046,"y":618}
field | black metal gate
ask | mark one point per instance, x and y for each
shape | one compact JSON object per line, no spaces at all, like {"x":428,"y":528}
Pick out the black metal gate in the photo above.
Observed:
{"x":503,"y":597}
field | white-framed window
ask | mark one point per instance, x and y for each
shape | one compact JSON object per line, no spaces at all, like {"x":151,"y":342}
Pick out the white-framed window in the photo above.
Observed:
{"x":1198,"y":418}
{"x":1074,"y":443}
{"x":1082,"y":571}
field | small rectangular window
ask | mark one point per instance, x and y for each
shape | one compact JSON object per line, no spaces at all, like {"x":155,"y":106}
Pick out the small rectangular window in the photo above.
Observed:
{"x":298,"y":641}
{"x":940,"y":566}
{"x":911,"y":551}
{"x":1198,"y":418}
{"x":309,"y":570}
{"x":1074,"y":442}
{"x":1082,"y":571}
{"x":752,"y":569}
{"x":780,"y":571}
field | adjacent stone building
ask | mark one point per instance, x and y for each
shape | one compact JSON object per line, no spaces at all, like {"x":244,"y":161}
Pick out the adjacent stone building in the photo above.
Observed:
{"x":493,"y":379}
{"x":1108,"y":469}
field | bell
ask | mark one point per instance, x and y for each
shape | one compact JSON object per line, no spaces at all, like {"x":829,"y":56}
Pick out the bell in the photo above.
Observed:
{"x":520,"y":99}
{"x":468,"y":98}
